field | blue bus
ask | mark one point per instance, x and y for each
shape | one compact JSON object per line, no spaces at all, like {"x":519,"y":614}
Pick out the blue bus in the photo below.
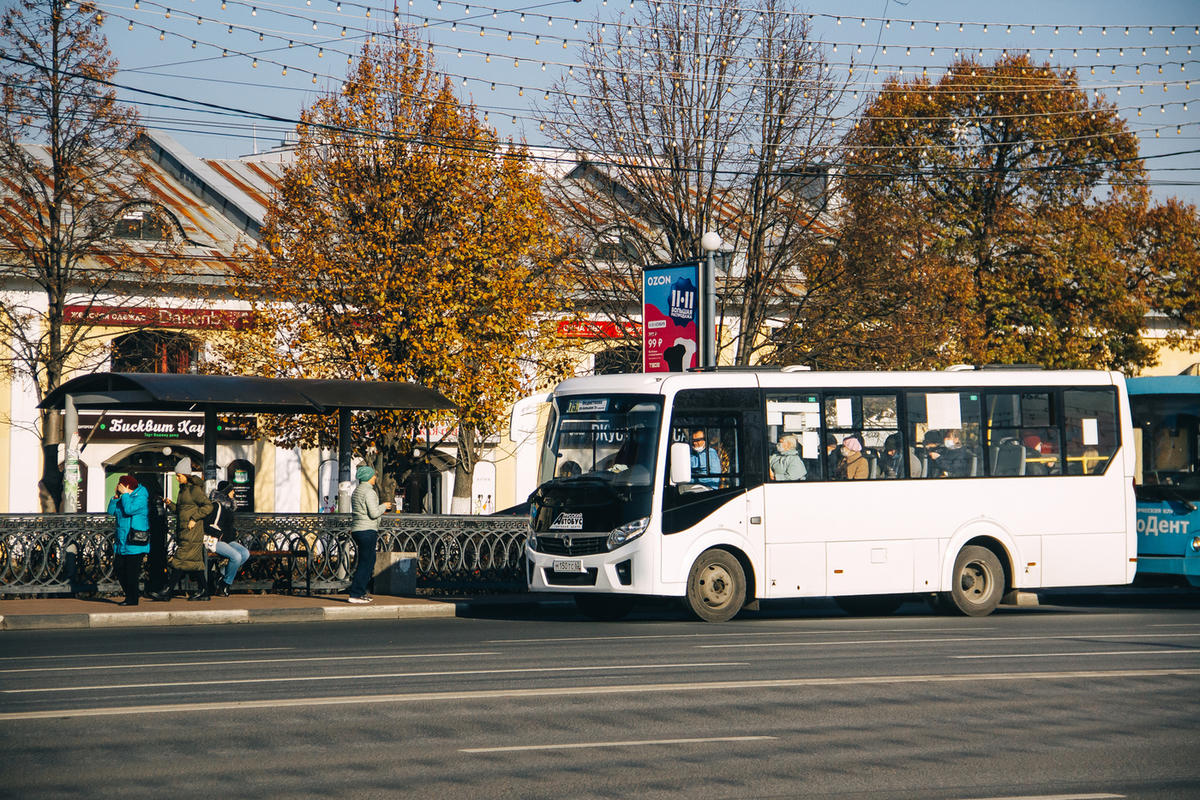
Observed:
{"x":1166,"y":423}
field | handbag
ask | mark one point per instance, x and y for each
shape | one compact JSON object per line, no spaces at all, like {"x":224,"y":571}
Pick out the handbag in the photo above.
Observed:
{"x":137,"y":537}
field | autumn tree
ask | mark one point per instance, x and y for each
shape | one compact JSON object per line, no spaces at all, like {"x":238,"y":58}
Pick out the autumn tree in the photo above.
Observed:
{"x":65,"y":171}
{"x":406,"y":243}
{"x":1017,"y":208}
{"x":695,"y":118}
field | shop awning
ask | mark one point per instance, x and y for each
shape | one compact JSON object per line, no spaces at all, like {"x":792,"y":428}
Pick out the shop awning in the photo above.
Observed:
{"x":239,"y":393}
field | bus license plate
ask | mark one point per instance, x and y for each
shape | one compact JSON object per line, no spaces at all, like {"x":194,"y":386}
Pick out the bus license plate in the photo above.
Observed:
{"x":568,"y":565}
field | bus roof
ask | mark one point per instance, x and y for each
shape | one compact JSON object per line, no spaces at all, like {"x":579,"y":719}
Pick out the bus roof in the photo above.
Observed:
{"x":663,"y":382}
{"x":1165,"y":384}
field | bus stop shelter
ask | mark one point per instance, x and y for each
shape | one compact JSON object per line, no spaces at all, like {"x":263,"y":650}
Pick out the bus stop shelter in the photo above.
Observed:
{"x":230,"y":394}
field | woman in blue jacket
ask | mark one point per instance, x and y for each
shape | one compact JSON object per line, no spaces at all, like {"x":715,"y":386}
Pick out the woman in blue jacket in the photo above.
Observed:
{"x":131,"y":506}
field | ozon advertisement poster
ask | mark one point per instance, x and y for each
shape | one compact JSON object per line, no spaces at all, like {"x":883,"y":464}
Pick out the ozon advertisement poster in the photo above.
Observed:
{"x":671,"y":317}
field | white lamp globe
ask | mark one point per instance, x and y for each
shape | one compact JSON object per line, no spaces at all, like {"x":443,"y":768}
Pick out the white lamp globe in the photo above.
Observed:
{"x":711,"y":241}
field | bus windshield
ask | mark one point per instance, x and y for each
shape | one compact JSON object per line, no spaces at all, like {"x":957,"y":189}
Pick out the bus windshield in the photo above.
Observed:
{"x":612,"y":436}
{"x":1170,"y":464}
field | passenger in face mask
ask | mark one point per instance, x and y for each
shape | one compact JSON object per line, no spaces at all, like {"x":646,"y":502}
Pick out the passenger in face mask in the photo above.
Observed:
{"x":950,"y":459}
{"x":855,"y":466}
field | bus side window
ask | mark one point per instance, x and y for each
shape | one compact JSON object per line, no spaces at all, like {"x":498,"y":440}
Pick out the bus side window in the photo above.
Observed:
{"x":1092,"y":435}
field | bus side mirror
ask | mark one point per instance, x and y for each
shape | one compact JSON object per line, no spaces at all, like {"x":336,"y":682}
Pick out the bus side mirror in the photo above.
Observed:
{"x":681,"y":463}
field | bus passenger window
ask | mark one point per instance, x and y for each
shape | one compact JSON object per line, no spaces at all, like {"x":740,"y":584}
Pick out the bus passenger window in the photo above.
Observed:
{"x":785,"y":463}
{"x":1092,"y":435}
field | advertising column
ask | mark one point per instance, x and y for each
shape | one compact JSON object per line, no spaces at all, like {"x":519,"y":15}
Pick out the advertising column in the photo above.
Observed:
{"x":671,"y":317}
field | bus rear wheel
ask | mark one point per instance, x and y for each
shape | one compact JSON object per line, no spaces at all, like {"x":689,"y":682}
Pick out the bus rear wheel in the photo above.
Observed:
{"x":716,"y":587}
{"x":978,"y":583}
{"x":604,"y":607}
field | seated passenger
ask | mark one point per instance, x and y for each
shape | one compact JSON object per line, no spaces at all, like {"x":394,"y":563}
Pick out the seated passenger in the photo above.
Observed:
{"x":854,"y":466}
{"x":705,"y":461}
{"x":1036,"y":463}
{"x":891,"y":463}
{"x":785,"y":462}
{"x":833,"y":454}
{"x":950,"y":460}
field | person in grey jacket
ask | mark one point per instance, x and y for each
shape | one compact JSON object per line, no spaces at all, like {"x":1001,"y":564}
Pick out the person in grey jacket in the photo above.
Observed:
{"x":364,"y":529}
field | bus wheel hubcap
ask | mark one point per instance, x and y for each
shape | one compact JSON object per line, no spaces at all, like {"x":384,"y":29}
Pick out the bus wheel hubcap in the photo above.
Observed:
{"x":975,"y":580}
{"x":715,"y":586}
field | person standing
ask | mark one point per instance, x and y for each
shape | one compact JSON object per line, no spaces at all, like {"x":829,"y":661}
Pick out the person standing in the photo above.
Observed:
{"x":364,"y":529}
{"x":220,"y":526}
{"x":130,"y":505}
{"x":191,"y":507}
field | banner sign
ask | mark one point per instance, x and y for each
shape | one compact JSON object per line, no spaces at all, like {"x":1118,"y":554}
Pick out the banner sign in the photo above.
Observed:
{"x":137,"y":317}
{"x":671,"y":317}
{"x":597,"y":329}
{"x":148,"y":425}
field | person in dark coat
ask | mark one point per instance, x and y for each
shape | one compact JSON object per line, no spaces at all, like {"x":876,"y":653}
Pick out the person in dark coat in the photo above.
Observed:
{"x":191,"y":507}
{"x":130,"y":505}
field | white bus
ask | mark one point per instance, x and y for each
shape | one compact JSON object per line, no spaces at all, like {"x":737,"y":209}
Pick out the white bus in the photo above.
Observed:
{"x":729,"y":487}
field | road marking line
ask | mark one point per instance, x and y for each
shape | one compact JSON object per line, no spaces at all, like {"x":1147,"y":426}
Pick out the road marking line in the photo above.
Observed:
{"x":1053,"y":797}
{"x":957,"y":639}
{"x":1088,"y":653}
{"x":588,"y":691}
{"x":720,"y":635}
{"x":150,"y":653}
{"x":584,"y":745}
{"x":296,"y":679}
{"x":246,"y":661}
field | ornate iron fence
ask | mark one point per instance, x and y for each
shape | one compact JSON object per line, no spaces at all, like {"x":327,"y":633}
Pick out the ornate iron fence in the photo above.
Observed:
{"x":69,"y":553}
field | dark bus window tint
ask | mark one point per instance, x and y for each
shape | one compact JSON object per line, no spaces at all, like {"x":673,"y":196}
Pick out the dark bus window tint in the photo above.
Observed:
{"x":1022,"y":434}
{"x":1092,"y":429}
{"x":944,"y":429}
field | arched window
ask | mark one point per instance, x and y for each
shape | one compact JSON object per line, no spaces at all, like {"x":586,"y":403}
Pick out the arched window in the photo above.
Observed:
{"x":145,"y":222}
{"x":154,"y":351}
{"x":618,"y":247}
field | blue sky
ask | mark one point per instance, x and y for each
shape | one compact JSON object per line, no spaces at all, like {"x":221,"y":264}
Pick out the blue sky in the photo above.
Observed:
{"x":185,"y":49}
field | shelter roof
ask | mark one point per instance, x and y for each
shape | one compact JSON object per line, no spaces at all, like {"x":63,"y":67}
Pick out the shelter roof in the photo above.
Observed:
{"x":244,"y":393}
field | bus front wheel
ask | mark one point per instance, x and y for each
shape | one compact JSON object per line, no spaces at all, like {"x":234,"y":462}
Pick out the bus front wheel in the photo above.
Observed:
{"x":978,"y":582}
{"x":716,"y":587}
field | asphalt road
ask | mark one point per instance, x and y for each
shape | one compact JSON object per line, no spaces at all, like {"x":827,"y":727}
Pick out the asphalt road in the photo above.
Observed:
{"x":1092,"y":698}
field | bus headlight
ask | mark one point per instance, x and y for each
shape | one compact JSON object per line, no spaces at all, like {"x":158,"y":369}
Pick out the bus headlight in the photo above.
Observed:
{"x":531,"y":540}
{"x":1195,"y":542}
{"x":627,"y":532}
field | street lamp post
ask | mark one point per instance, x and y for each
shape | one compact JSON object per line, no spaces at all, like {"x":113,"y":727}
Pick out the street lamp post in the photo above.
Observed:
{"x":710,"y":242}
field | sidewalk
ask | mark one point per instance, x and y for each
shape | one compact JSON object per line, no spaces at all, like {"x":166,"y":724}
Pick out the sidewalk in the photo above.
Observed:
{"x":69,"y":612}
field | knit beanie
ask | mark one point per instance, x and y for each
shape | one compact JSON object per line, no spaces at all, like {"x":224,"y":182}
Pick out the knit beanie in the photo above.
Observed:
{"x":364,"y":473}
{"x":184,"y":467}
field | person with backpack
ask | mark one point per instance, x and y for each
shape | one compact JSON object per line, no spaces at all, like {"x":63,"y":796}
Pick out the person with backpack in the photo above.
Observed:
{"x":220,"y":537}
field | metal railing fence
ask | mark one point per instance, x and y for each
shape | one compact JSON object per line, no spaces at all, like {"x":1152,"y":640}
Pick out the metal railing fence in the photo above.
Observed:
{"x":73,"y":553}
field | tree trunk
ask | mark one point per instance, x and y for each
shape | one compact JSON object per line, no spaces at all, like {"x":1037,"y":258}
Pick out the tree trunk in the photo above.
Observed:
{"x":464,"y":471}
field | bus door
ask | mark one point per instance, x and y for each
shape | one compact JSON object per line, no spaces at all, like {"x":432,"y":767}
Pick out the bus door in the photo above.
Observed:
{"x":1168,"y":487}
{"x":722,"y":504}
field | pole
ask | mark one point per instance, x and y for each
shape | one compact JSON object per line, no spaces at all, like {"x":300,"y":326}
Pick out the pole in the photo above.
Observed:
{"x":210,"y":449}
{"x":345,"y":488}
{"x":710,"y":312}
{"x":70,"y":491}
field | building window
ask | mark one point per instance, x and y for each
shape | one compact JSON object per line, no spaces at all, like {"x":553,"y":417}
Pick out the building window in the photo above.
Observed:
{"x":144,"y":223}
{"x":154,"y":351}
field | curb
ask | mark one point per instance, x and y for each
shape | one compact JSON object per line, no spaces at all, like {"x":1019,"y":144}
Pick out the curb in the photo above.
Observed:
{"x":138,"y":619}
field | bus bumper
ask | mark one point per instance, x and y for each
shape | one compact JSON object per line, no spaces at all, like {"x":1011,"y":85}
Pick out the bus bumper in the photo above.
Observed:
{"x":613,"y":572}
{"x":1184,"y":566}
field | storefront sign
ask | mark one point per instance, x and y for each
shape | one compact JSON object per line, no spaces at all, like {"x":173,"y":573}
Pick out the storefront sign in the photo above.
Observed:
{"x":671,"y":315}
{"x":597,"y":329}
{"x":149,"y":425}
{"x":139,"y":317}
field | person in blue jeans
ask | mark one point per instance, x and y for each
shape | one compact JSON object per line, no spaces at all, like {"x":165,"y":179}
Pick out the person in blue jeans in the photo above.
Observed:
{"x":220,"y":526}
{"x":130,"y":505}
{"x":364,"y":529}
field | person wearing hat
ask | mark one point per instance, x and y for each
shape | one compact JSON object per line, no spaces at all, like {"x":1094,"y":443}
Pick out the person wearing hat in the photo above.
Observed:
{"x":191,"y":507}
{"x":364,"y":529}
{"x":853,"y":464}
{"x":220,"y":537}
